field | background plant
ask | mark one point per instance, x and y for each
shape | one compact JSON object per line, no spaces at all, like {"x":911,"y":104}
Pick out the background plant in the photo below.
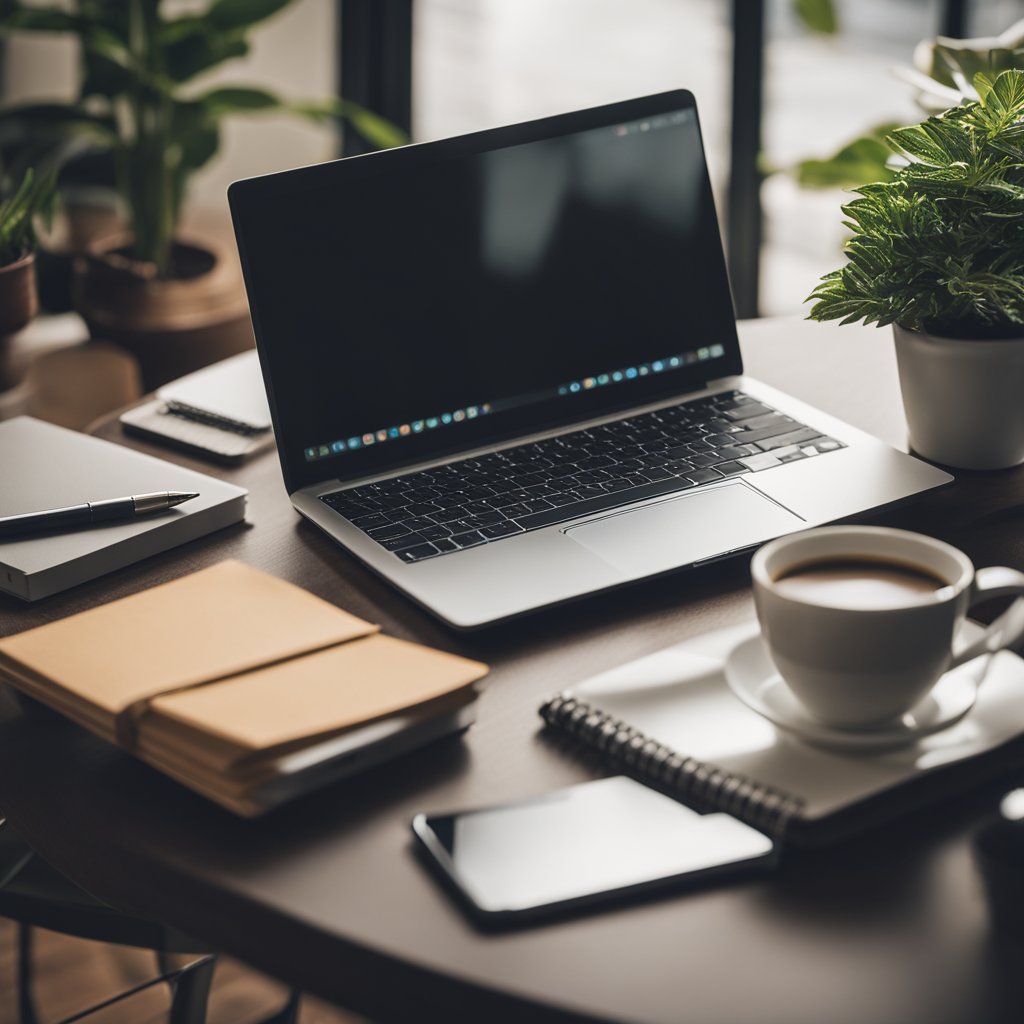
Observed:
{"x":940,"y":247}
{"x":138,"y":101}
{"x":33,"y":197}
{"x":941,"y":77}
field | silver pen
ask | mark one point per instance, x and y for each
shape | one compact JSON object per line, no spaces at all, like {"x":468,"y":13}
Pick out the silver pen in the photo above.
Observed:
{"x":89,"y":512}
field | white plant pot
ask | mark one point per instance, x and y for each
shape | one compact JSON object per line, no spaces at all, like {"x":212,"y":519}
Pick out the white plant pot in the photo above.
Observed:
{"x":964,"y":400}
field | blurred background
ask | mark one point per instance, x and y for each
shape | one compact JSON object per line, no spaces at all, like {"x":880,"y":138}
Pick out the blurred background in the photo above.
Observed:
{"x":97,"y":318}
{"x":777,"y":81}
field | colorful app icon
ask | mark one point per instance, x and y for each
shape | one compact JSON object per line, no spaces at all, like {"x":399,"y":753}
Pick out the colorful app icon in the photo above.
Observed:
{"x":674,"y":362}
{"x":459,"y":415}
{"x":717,"y":351}
{"x":310,"y":454}
{"x":574,"y":386}
{"x":589,"y":382}
{"x":657,"y":366}
{"x":337,"y":446}
{"x":446,"y":417}
{"x":472,"y":412}
{"x":382,"y":435}
{"x":324,"y":450}
{"x":631,"y":373}
{"x":617,"y":376}
{"x":368,"y":438}
{"x":703,"y":353}
{"x":603,"y":379}
{"x":417,"y":426}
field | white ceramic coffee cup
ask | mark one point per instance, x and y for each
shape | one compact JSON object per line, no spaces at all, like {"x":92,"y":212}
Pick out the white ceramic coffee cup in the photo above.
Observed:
{"x":857,"y":668}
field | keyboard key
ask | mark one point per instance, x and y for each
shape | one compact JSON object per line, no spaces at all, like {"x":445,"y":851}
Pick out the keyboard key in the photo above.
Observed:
{"x":387,"y":532}
{"x":782,"y":440}
{"x":783,"y":426}
{"x":505,"y":529}
{"x":424,"y":509}
{"x":417,"y":554}
{"x":467,"y":540}
{"x":435,"y":533}
{"x":408,"y":540}
{"x":444,"y":546}
{"x":704,"y":476}
{"x":738,"y":411}
{"x":370,"y":521}
{"x":731,"y":468}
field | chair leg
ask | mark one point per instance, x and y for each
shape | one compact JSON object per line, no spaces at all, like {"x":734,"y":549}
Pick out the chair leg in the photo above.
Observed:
{"x":26,"y":1006}
{"x":191,"y":992}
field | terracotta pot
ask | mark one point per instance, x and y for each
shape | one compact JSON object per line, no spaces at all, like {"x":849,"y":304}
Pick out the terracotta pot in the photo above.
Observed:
{"x":174,"y":326}
{"x":962,"y":398}
{"x":18,"y":298}
{"x":19,"y":302}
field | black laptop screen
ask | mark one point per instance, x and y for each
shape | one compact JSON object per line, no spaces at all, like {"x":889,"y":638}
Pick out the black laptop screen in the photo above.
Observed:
{"x":425,"y":300}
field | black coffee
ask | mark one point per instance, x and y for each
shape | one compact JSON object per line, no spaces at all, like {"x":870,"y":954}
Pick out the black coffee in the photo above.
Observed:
{"x":863,"y":584}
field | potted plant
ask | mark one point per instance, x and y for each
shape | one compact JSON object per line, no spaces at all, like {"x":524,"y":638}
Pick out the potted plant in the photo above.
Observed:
{"x":18,"y":298}
{"x":175,"y":303}
{"x":938,"y":252}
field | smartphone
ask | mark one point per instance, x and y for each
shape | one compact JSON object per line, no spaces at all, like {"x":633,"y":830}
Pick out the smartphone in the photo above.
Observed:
{"x":594,"y":842}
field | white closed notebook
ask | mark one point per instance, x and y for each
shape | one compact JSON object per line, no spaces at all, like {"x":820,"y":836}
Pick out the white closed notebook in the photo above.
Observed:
{"x":231,"y":390}
{"x":43,"y":466}
{"x":219,"y":411}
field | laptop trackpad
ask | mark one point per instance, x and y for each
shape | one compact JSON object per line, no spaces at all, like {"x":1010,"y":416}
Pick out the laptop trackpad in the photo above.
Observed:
{"x":685,"y":529}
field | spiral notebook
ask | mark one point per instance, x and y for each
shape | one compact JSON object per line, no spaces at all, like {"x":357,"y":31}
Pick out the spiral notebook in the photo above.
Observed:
{"x":671,"y":720}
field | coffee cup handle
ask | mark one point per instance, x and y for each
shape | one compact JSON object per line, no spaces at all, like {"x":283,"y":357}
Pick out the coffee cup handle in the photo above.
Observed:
{"x":1008,"y":629}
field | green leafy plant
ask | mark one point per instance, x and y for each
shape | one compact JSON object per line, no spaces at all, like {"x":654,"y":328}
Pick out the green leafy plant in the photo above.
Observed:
{"x":33,"y":197}
{"x":941,"y":77}
{"x":138,"y":100}
{"x":940,"y":247}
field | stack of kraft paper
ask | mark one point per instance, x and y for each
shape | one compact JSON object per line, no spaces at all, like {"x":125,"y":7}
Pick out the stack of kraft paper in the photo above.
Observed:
{"x":243,"y":687}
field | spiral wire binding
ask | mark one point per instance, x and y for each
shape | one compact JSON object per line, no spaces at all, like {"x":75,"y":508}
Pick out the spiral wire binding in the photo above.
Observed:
{"x":765,"y":808}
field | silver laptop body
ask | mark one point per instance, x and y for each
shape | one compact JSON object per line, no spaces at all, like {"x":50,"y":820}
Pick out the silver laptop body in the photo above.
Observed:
{"x":562,"y":215}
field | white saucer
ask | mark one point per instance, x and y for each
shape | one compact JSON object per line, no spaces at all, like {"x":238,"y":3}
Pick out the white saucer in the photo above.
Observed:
{"x":755,"y":680}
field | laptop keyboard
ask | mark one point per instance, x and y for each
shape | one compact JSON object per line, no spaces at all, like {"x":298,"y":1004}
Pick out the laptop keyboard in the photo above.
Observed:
{"x":486,"y":499}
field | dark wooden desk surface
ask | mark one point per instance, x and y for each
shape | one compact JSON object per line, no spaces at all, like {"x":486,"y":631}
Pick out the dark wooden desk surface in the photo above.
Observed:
{"x":327,"y":893}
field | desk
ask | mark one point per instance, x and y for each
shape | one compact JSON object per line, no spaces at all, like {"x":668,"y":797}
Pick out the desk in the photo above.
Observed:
{"x":327,"y":895}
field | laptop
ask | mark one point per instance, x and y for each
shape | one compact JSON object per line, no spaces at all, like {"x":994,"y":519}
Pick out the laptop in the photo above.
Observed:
{"x":504,"y":372}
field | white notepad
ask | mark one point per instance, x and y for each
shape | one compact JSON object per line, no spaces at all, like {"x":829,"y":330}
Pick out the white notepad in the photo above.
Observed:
{"x":679,"y":700}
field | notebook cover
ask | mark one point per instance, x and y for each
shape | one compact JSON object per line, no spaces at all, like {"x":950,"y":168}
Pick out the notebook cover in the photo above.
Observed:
{"x":46,"y":466}
{"x":212,"y":624}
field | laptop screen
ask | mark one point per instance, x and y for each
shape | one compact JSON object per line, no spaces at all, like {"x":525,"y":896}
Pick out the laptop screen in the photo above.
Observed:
{"x":422,"y":301}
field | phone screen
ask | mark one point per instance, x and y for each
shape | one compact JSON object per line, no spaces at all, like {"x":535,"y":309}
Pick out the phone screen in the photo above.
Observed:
{"x":597,"y":840}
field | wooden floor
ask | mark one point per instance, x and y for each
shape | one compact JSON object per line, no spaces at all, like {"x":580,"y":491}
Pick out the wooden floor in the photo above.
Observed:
{"x":72,"y":974}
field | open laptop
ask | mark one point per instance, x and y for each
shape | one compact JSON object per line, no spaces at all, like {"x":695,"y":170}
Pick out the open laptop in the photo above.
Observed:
{"x":504,"y":371}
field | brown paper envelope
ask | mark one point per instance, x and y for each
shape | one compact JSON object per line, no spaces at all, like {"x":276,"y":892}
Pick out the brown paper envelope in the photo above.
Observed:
{"x":217,"y":622}
{"x":319,"y":693}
